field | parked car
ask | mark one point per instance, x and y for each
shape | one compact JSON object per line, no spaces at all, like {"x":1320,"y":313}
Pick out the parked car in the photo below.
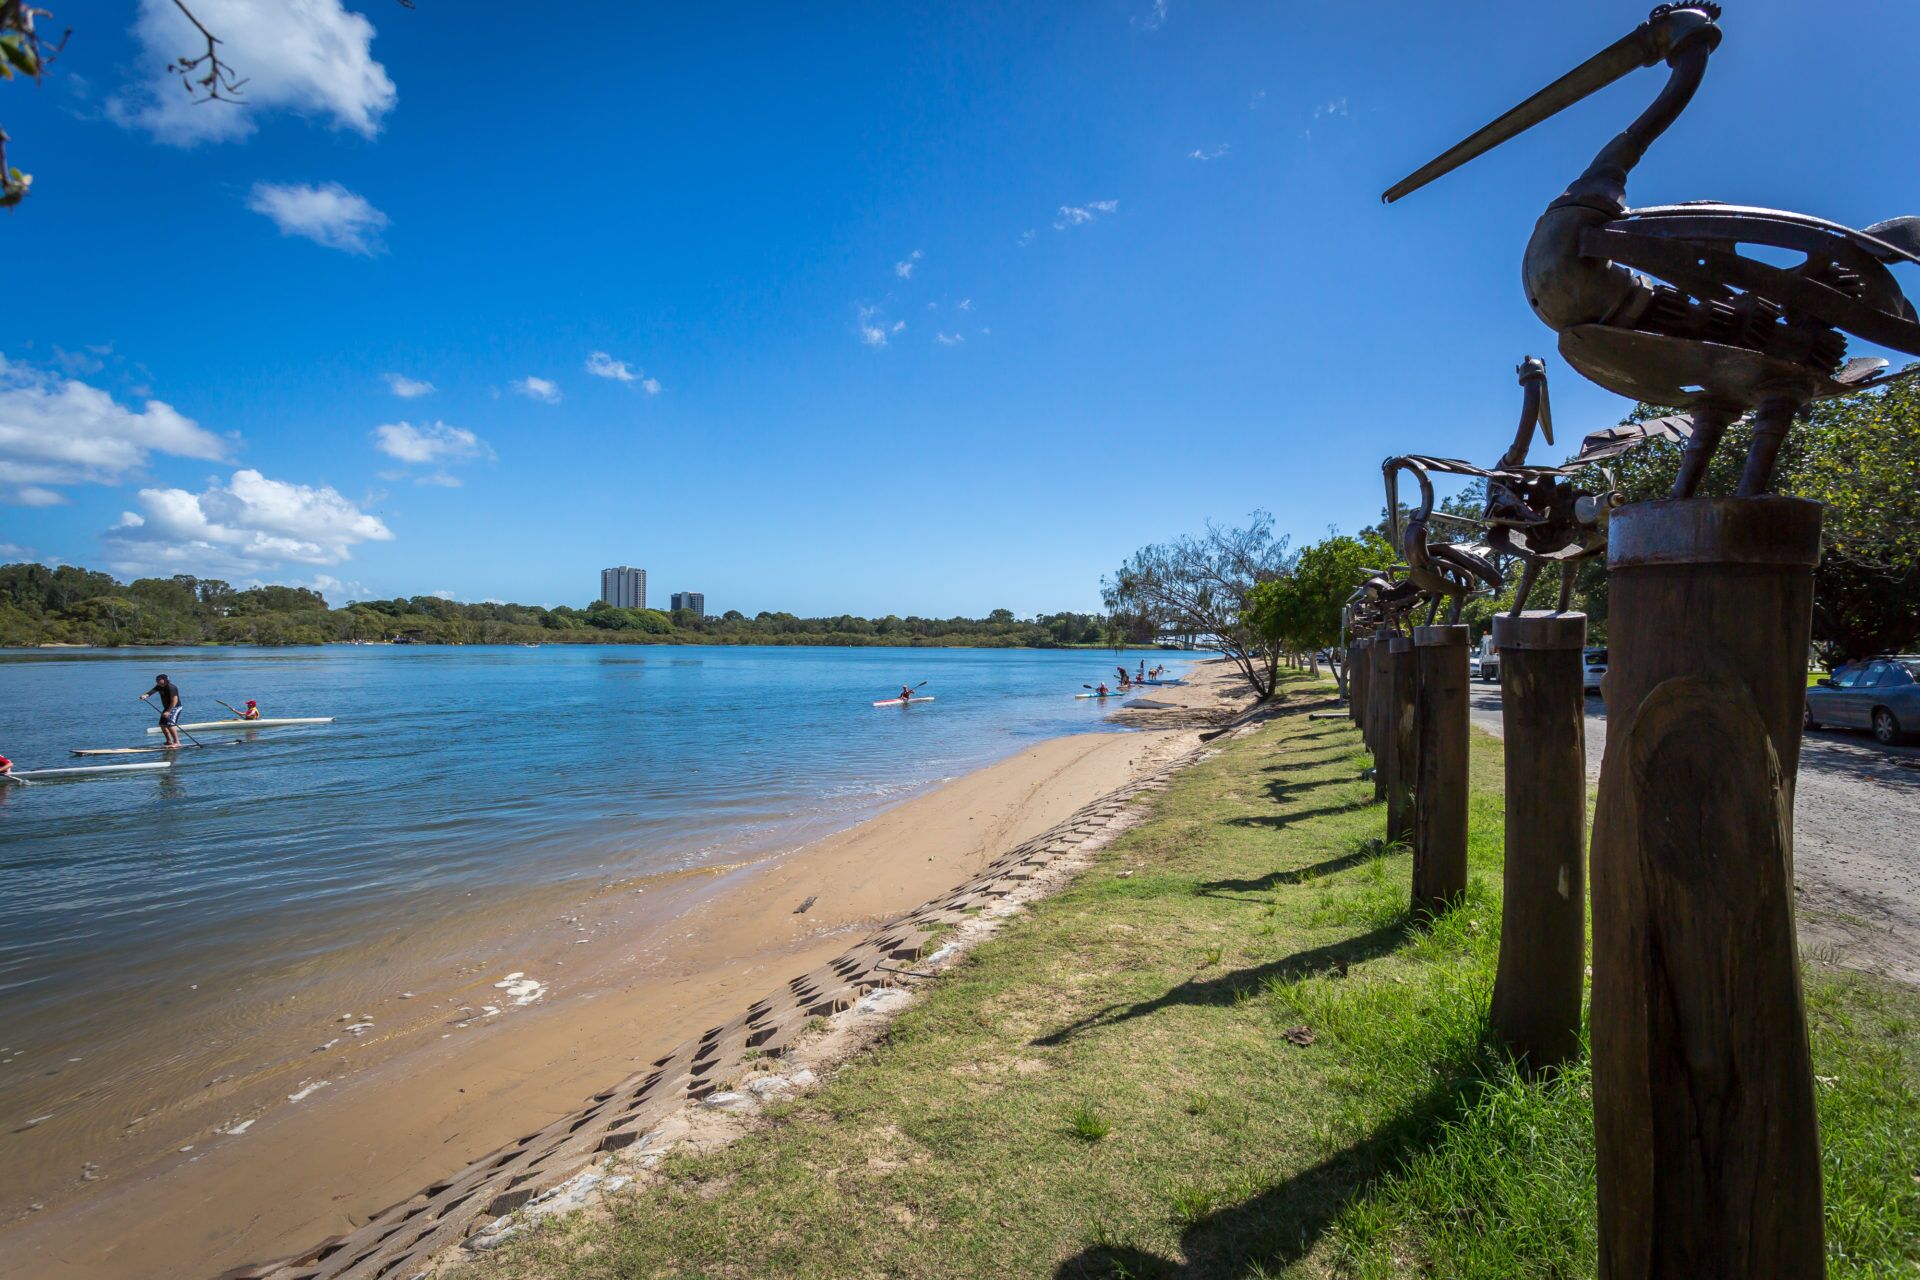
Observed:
{"x":1484,"y":662}
{"x":1593,"y":665}
{"x":1881,"y":694}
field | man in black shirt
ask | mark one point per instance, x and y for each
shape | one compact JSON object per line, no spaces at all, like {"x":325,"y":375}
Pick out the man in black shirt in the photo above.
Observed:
{"x":169,"y":707}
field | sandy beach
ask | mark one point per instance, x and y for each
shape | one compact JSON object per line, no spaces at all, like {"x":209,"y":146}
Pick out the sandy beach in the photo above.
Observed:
{"x":603,"y":986}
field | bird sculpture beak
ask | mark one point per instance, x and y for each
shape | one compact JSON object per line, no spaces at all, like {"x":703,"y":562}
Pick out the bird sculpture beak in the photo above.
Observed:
{"x":1640,"y":49}
{"x":1546,"y":412}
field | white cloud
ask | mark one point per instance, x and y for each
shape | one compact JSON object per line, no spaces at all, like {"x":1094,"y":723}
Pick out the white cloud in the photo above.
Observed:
{"x":602,"y":365}
{"x":898,"y":325}
{"x":60,"y":431}
{"x":335,"y":592}
{"x":1259,"y":96}
{"x":905,"y":269}
{"x":1026,"y":238}
{"x":441,"y":594}
{"x":1154,"y":18}
{"x":965,"y":304}
{"x":312,"y":57}
{"x":1079,"y":215}
{"x":1335,"y":107}
{"x":440,"y":479}
{"x":328,"y":215}
{"x":14,"y":552}
{"x":245,"y":525}
{"x":430,"y":442}
{"x":538,"y":389}
{"x":872,"y":327}
{"x":949,"y":339}
{"x":1208,"y":153}
{"x":408,"y":388}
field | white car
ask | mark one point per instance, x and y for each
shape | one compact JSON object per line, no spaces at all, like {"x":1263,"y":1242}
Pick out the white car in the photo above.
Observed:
{"x":1593,"y":666}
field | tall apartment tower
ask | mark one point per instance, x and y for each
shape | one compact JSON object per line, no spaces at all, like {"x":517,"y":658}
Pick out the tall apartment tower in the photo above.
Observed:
{"x":624,"y":588}
{"x":694,"y":600}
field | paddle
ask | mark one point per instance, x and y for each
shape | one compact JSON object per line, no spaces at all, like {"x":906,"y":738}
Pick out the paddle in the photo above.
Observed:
{"x":910,"y":691}
{"x":190,"y":738}
{"x":236,"y":711}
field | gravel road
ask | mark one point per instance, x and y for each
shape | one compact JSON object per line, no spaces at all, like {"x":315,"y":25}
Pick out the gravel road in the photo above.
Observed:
{"x":1856,"y":842}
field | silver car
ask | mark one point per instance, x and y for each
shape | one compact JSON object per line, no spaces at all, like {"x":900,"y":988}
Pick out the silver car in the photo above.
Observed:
{"x":1881,"y":694}
{"x":1593,"y":663}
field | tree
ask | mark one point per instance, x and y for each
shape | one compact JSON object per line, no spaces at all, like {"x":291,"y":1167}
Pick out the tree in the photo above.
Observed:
{"x":1204,"y":587}
{"x":1301,"y":611}
{"x":1859,"y":457}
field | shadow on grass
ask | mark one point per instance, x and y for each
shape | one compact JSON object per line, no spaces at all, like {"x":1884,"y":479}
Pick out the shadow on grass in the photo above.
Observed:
{"x":1223,"y":989}
{"x":1360,"y":857}
{"x":1281,"y":1224}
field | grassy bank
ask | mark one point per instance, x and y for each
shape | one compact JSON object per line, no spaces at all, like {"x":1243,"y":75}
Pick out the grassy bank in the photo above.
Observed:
{"x":1224,"y":1052}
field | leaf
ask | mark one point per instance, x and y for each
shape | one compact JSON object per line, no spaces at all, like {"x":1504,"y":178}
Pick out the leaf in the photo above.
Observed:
{"x":16,"y":51}
{"x":1301,"y":1035}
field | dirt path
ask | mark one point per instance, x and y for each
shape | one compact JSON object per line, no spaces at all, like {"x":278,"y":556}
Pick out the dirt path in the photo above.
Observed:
{"x":1856,"y":842}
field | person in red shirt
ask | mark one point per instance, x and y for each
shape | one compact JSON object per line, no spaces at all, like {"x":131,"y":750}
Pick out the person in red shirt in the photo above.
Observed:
{"x":6,"y":765}
{"x":253,"y":710}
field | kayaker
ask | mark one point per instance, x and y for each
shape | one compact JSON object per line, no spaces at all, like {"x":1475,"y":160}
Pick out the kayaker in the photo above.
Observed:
{"x":252,"y":712}
{"x":169,"y":707}
{"x":1102,"y":690}
{"x":906,"y":693}
{"x":6,"y":766}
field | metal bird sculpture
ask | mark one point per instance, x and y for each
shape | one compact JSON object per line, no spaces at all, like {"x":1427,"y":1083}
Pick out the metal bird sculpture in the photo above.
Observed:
{"x":1437,"y":570}
{"x":1660,"y":305}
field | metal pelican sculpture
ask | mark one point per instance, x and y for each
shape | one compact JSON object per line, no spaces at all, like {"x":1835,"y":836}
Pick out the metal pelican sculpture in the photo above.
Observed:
{"x":1660,"y":305}
{"x":1437,"y":570}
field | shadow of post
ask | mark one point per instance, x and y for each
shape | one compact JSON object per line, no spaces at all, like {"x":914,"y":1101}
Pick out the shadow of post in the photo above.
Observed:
{"x":1223,"y":989}
{"x":1281,"y":1224}
{"x":1370,"y":851}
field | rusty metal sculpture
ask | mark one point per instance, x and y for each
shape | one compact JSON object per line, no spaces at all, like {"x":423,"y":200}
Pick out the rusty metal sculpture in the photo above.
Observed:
{"x":1436,"y":570}
{"x":1717,"y":332}
{"x":1705,"y":1129}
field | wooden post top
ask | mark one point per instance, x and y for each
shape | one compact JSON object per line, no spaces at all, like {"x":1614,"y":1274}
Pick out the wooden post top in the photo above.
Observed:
{"x":1399,"y":644}
{"x":1540,"y":629}
{"x":1784,"y":532}
{"x":1453,"y":637}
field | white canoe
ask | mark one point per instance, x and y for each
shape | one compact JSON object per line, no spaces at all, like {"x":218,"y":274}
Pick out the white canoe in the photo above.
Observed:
{"x":209,"y":725}
{"x":82,"y":771}
{"x":147,"y":751}
{"x":900,"y":702}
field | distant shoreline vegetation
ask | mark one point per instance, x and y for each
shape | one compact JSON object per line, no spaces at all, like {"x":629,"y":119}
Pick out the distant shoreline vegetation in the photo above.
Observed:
{"x":74,"y":606}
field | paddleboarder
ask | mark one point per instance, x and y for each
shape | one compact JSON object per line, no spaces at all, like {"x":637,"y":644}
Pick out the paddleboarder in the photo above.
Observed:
{"x":169,"y":707}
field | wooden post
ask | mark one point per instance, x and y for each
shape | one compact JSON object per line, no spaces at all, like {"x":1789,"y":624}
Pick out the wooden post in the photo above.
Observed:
{"x":1379,"y":684}
{"x":1440,"y":786}
{"x":1705,"y":1127}
{"x":1536,"y":997}
{"x":1357,"y":681}
{"x":1397,"y":751}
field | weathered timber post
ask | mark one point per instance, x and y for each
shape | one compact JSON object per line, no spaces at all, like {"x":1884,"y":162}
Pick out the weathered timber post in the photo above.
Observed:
{"x":1379,"y":684}
{"x":1706,"y":1134}
{"x":1536,"y":997}
{"x":1397,"y":751}
{"x":1440,"y":752}
{"x":1357,"y":681}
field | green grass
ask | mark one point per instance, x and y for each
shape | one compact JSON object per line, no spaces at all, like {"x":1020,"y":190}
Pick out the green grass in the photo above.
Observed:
{"x":1106,"y":1089}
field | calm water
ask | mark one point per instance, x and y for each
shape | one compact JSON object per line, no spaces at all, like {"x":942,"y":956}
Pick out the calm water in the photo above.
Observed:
{"x":450,"y":775}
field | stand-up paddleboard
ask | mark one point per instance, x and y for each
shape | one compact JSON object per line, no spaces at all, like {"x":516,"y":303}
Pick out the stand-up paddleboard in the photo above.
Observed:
{"x":146,"y":751}
{"x":245,"y":724}
{"x":901,"y":702}
{"x":82,"y":771}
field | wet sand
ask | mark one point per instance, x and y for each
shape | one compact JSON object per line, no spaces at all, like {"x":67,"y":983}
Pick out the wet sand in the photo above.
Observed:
{"x":311,"y":1143}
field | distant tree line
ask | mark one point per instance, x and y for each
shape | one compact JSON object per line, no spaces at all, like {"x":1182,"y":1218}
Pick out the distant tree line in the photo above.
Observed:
{"x":71,"y":605}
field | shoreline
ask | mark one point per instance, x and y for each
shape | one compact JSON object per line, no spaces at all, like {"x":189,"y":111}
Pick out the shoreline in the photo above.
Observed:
{"x":705,"y":945}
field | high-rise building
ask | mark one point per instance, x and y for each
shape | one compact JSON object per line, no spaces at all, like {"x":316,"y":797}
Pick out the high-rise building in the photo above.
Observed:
{"x":694,"y":600}
{"x":624,"y":588}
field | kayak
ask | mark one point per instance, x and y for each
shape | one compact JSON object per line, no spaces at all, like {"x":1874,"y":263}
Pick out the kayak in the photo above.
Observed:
{"x":901,"y":702}
{"x":1111,"y":693}
{"x":81,"y":771}
{"x":247,"y":724}
{"x":142,"y":751}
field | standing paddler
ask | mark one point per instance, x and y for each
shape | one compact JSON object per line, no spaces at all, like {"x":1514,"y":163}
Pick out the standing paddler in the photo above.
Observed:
{"x":169,"y":707}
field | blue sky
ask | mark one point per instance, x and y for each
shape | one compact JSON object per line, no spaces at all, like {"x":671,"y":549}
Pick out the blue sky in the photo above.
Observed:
{"x":913,"y":308}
